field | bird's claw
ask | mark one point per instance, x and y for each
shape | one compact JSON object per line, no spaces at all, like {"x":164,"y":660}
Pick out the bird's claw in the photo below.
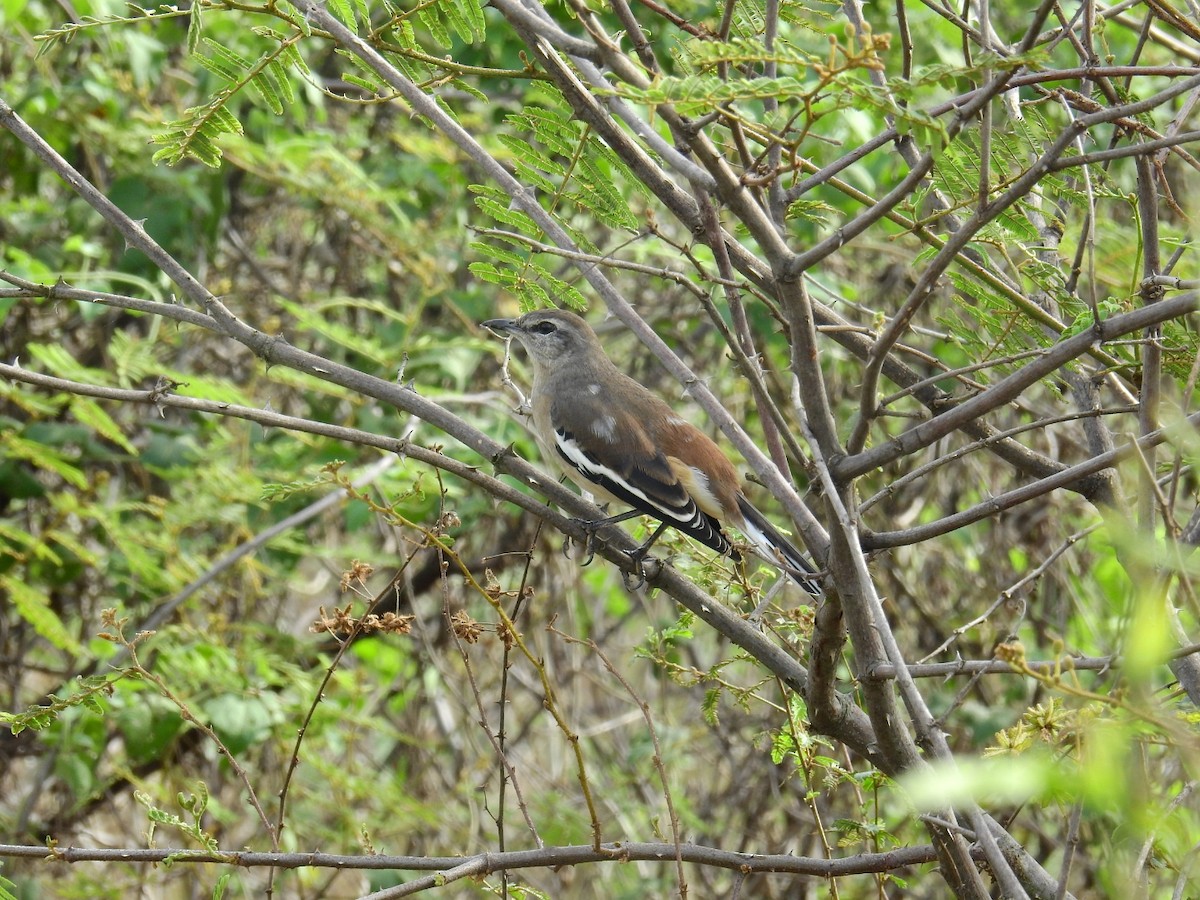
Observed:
{"x":589,"y":541}
{"x":636,"y":585}
{"x":637,"y":557}
{"x":589,"y":549}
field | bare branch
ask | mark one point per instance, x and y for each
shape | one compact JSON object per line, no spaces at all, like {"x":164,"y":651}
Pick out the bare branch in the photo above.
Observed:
{"x":486,"y":863}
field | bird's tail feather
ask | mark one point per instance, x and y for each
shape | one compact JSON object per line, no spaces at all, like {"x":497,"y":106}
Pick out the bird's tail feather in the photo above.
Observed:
{"x":770,"y":542}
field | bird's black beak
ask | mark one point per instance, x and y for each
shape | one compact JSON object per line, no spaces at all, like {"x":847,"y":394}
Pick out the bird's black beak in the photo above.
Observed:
{"x":503,"y":327}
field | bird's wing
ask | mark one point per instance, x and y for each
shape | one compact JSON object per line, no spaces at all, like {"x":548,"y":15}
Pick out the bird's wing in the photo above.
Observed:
{"x":612,"y":449}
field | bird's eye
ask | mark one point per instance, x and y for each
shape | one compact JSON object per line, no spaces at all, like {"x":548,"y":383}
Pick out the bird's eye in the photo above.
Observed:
{"x":544,"y":328}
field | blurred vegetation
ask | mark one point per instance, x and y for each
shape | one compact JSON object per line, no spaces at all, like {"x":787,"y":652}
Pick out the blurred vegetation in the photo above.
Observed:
{"x":289,"y":180}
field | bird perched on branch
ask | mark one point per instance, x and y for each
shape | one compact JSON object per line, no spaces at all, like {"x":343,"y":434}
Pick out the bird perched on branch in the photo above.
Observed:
{"x":617,"y":440}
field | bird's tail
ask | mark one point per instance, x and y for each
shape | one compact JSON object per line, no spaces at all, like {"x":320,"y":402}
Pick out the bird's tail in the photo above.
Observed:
{"x":769,"y":542}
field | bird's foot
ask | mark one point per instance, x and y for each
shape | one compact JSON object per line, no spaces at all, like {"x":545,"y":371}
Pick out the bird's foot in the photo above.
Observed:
{"x":589,"y":527}
{"x":638,"y":557}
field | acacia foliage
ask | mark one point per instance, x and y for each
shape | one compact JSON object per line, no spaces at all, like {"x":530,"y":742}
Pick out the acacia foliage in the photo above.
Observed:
{"x":936,"y":267}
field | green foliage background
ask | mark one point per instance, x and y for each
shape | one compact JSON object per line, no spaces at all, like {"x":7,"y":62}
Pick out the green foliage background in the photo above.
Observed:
{"x":284,"y":174}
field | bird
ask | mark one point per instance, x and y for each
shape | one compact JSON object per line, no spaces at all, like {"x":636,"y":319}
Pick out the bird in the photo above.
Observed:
{"x":623,"y":444}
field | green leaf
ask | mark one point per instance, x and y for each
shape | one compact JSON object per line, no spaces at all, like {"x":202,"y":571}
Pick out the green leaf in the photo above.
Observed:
{"x":241,"y":721}
{"x":88,"y":412}
{"x":225,"y":121}
{"x":46,"y":458}
{"x":148,"y":724}
{"x":292,"y":57}
{"x":268,"y":91}
{"x":781,"y":746}
{"x":430,"y":19}
{"x":195,"y":27}
{"x":341,"y":10}
{"x":219,"y":67}
{"x":34,"y":607}
{"x":468,"y":27}
{"x":278,"y":75}
{"x":204,"y":150}
{"x":233,"y":59}
{"x":494,"y":203}
{"x":710,"y":708}
{"x":57,"y":360}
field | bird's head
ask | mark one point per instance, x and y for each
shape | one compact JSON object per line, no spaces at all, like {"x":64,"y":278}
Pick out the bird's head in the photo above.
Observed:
{"x":549,"y":336}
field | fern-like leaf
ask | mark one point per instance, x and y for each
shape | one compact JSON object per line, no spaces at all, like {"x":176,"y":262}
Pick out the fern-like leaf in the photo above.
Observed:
{"x":197,"y":133}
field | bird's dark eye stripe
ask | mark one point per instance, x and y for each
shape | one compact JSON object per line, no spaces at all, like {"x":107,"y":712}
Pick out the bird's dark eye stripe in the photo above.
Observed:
{"x":545,"y":328}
